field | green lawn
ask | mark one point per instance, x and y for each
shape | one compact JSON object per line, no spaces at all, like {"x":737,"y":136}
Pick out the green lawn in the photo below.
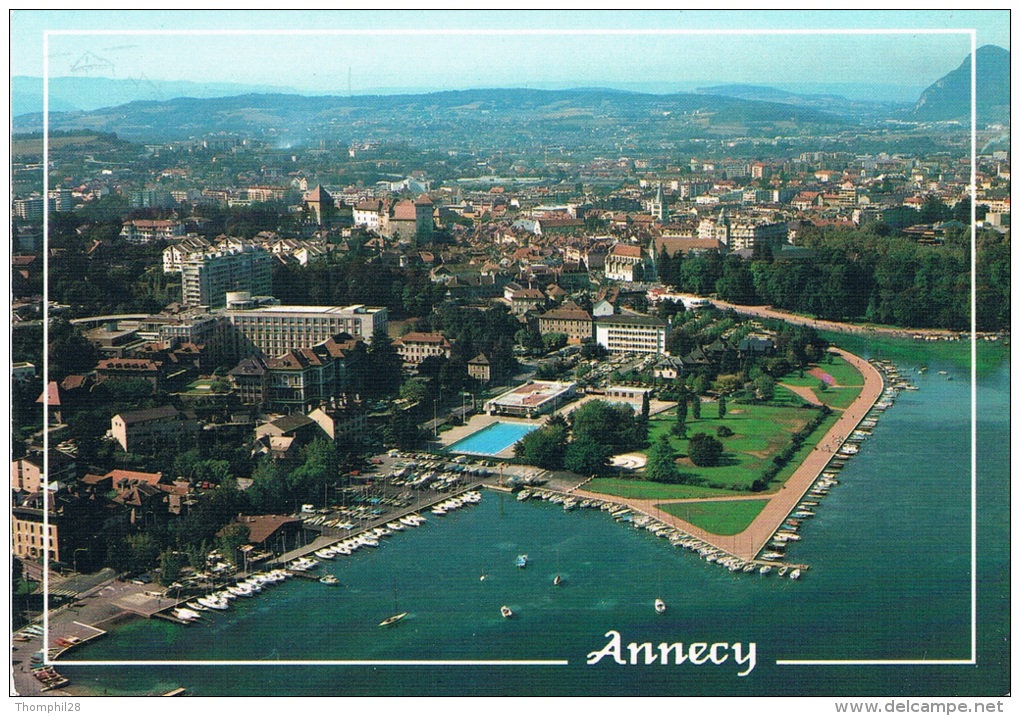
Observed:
{"x":846,"y":376}
{"x":721,"y":518}
{"x":638,"y":489}
{"x":844,"y":373}
{"x":837,"y":397}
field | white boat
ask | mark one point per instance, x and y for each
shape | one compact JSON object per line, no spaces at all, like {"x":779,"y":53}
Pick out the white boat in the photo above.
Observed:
{"x":522,"y":561}
{"x":330,"y":580}
{"x":194,"y":605}
{"x":392,"y":620}
{"x":505,"y":611}
{"x":660,"y":606}
{"x":395,"y":527}
{"x":185,"y":614}
{"x":783,"y":570}
{"x":324,"y":553}
{"x":557,"y":580}
{"x":213,"y":602}
{"x":795,"y":574}
{"x":766,"y":569}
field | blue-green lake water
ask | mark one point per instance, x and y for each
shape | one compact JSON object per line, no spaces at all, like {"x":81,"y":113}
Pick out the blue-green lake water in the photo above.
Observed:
{"x":890,"y":579}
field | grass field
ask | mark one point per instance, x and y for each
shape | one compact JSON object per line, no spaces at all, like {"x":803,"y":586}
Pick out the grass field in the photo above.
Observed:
{"x":721,"y":518}
{"x":848,"y":378}
{"x":638,"y":489}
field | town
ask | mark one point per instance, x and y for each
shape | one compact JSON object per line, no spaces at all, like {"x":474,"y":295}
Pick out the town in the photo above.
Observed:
{"x":231,"y":352}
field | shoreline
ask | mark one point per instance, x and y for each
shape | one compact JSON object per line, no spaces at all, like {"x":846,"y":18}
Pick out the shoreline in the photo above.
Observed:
{"x":748,"y":543}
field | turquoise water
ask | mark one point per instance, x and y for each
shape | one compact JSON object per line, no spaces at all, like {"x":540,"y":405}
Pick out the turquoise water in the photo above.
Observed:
{"x":492,"y":439}
{"x":890,"y":579}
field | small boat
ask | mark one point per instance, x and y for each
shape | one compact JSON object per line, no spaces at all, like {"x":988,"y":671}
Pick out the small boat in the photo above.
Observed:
{"x":195,"y":606}
{"x":522,"y":560}
{"x":330,"y":580}
{"x":557,"y":580}
{"x":766,"y":569}
{"x":783,"y":570}
{"x":505,"y":611}
{"x":795,"y":574}
{"x":660,"y":606}
{"x":392,"y":620}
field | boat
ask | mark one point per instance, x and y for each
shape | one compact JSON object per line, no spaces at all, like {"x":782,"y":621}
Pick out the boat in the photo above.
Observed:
{"x":197,"y":607}
{"x":660,"y":606}
{"x":783,"y":570}
{"x":522,"y":560}
{"x":557,"y":580}
{"x":392,"y":620}
{"x":795,"y":574}
{"x":766,"y":569}
{"x":330,"y":580}
{"x":505,"y":611}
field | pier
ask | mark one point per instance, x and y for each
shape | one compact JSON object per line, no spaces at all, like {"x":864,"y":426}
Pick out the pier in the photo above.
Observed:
{"x":324,"y":541}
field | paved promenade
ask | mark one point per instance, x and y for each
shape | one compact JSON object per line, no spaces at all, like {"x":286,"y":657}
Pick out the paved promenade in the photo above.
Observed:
{"x":748,"y":543}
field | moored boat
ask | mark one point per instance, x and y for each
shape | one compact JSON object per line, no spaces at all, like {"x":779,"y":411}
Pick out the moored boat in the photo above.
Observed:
{"x":330,"y":580}
{"x":505,"y":611}
{"x":660,"y":606}
{"x":522,"y":561}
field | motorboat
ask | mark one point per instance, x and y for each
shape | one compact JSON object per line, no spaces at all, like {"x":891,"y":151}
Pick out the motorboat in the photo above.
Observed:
{"x":795,"y":574}
{"x":660,"y":606}
{"x":522,"y":561}
{"x":392,"y":620}
{"x":505,"y":611}
{"x":557,"y":580}
{"x":330,"y":580}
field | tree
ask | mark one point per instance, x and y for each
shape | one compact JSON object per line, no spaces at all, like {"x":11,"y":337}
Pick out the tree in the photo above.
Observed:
{"x":764,"y":388}
{"x":696,"y":407}
{"x":646,"y":407}
{"x":680,"y":428}
{"x":722,"y":407}
{"x":553,"y":341}
{"x":230,"y":539}
{"x":587,"y":456}
{"x":661,"y":466}
{"x":171,"y":562}
{"x":704,"y":450}
{"x":544,"y":447}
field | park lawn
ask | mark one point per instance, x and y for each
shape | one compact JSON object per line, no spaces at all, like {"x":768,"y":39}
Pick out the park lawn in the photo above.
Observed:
{"x":844,"y":373}
{"x":721,"y":518}
{"x":638,"y":489}
{"x":759,"y":433}
{"x":798,"y":457}
{"x":838,"y":397}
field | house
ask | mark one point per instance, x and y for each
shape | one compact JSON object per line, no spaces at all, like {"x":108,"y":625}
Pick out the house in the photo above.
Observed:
{"x":142,"y":431}
{"x":480,"y":368}
{"x":416,"y":346}
{"x":346,"y":423}
{"x":270,"y":533}
{"x":570,"y":320}
{"x":524,"y":300}
{"x":668,"y":367}
{"x":284,"y":437}
{"x":138,"y":368}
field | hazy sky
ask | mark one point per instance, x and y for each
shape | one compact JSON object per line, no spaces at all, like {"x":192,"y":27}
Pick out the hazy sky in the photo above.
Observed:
{"x":432,"y":50}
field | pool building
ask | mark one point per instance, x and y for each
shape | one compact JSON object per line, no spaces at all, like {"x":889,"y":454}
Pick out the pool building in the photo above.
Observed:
{"x":534,"y":398}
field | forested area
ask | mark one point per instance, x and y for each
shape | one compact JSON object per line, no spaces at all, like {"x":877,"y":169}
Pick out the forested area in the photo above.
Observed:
{"x":862,"y":275}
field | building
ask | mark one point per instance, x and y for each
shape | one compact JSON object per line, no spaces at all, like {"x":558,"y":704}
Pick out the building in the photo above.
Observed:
{"x":320,"y":204}
{"x":627,"y":333}
{"x":346,"y":423}
{"x":207,"y":276}
{"x":249,"y":379}
{"x":151,"y":199}
{"x":27,"y":475}
{"x":625,"y":263}
{"x":275,"y":330}
{"x":174,"y":255}
{"x":480,"y":368}
{"x":532,"y":399}
{"x":745,"y":233}
{"x":570,"y":320}
{"x":306,"y":378}
{"x":141,"y":431}
{"x":28,"y":534}
{"x":414,"y":347}
{"x":410,"y":221}
{"x":146,"y":231}
{"x":139,"y":368}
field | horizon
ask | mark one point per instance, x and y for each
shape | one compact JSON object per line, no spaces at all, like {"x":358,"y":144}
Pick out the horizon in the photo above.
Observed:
{"x":386,"y":52}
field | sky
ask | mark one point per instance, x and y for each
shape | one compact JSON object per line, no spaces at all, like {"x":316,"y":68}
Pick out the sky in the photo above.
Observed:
{"x":435,"y":50}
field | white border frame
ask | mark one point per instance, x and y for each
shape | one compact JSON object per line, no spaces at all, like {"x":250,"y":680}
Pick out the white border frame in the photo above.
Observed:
{"x":576,"y":32}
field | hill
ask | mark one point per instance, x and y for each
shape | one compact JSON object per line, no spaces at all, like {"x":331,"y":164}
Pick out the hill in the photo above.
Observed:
{"x":949,"y":97}
{"x":510,"y":117}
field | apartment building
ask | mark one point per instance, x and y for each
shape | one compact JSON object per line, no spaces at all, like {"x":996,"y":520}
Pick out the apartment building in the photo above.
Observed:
{"x":275,"y":330}
{"x":207,"y":276}
{"x":626,"y":333}
{"x":416,"y":346}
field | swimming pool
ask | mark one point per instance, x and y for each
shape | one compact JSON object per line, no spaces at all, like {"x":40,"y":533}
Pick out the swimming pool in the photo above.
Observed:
{"x":492,"y":439}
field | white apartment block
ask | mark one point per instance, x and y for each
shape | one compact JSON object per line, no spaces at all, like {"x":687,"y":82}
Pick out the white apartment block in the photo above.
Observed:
{"x":207,"y":276}
{"x":275,"y":330}
{"x":631,"y":334}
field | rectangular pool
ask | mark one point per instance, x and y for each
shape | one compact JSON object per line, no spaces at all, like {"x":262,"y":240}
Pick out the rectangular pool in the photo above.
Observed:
{"x":492,"y":439}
